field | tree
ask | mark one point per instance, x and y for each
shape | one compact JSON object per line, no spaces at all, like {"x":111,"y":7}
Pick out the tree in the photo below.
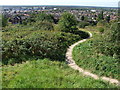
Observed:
{"x":115,"y":33}
{"x":4,"y":21}
{"x":100,"y":16}
{"x":82,"y":24}
{"x":112,"y":40}
{"x":107,"y":18}
{"x":44,"y":25}
{"x":82,"y":18}
{"x":45,"y":17}
{"x":67,"y":22}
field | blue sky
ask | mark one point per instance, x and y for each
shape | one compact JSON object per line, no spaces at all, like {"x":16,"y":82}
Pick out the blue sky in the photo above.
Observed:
{"x":106,"y":3}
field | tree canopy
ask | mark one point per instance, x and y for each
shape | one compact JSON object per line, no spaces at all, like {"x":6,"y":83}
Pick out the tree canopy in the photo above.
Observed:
{"x":4,"y":21}
{"x":67,"y":22}
{"x":100,"y":16}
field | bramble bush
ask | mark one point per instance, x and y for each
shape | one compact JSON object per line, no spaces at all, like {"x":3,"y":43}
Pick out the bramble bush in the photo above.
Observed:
{"x":43,"y":44}
{"x":82,"y":24}
{"x":44,"y":26}
{"x":109,"y":44}
{"x":101,"y":30}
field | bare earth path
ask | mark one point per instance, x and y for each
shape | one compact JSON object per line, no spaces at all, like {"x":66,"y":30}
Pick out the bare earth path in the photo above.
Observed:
{"x":73,"y":65}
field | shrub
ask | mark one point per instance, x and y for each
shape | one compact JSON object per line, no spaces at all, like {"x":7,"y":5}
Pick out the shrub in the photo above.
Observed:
{"x":67,"y":22}
{"x":109,"y":44}
{"x":43,"y":44}
{"x":45,"y":17}
{"x":83,"y":24}
{"x":101,"y":23}
{"x":40,"y":17}
{"x":44,"y":26}
{"x":4,"y":21}
{"x":101,"y":30}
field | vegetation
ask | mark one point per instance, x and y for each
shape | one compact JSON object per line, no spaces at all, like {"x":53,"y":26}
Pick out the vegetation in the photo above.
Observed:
{"x":83,"y":24}
{"x":82,"y":18}
{"x":111,"y":43}
{"x":40,"y":17}
{"x":107,"y":18}
{"x":4,"y":21}
{"x":40,"y":46}
{"x":100,"y":54}
{"x":101,"y":30}
{"x":36,"y":43}
{"x":67,"y":23}
{"x":44,"y":73}
{"x":44,"y":25}
{"x":100,"y":16}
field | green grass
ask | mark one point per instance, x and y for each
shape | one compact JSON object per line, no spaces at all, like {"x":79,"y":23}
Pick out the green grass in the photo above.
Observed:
{"x":87,"y":57}
{"x":47,"y":74}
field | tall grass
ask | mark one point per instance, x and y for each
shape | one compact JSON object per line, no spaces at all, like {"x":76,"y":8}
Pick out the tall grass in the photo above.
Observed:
{"x":47,"y":74}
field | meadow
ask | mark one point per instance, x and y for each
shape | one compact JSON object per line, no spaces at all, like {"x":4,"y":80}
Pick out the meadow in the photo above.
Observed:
{"x":34,"y":54}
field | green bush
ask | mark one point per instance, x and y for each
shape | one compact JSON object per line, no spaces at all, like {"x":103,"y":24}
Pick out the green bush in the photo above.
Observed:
{"x":109,"y":44}
{"x":44,"y":26}
{"x":4,"y":21}
{"x":45,"y":44}
{"x":67,"y":23}
{"x":101,"y":30}
{"x":45,"y":17}
{"x":40,"y":17}
{"x":83,"y":24}
{"x":101,"y":23}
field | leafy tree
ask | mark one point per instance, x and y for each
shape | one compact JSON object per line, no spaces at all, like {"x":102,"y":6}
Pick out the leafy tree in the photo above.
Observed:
{"x":115,"y":32}
{"x":40,"y":17}
{"x":82,"y":18}
{"x":82,"y":24}
{"x":108,"y":18}
{"x":67,"y":22}
{"x":114,"y":39}
{"x":111,"y":41}
{"x":44,"y":25}
{"x":100,"y":16}
{"x":45,"y":17}
{"x":4,"y":21}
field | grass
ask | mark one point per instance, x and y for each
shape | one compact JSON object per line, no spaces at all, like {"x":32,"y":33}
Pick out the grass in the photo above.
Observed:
{"x":47,"y":74}
{"x":87,"y":57}
{"x":44,"y":73}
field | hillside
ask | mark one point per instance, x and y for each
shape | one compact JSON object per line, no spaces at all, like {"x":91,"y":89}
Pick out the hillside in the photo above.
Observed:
{"x":44,"y":73}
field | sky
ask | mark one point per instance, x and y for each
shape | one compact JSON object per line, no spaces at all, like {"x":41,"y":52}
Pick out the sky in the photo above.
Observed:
{"x":104,"y":3}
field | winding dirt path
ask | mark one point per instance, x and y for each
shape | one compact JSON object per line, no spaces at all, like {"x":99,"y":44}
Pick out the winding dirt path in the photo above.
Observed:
{"x":73,"y":65}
